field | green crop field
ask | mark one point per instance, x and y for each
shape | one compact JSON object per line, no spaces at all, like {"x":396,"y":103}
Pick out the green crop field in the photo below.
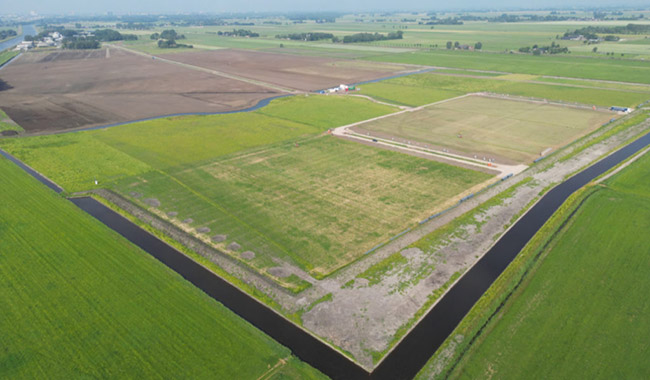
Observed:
{"x":79,"y":301}
{"x":508,"y":130}
{"x":583,"y":312}
{"x":622,"y":70}
{"x":319,"y":204}
{"x":417,"y":90}
{"x":76,"y":160}
{"x":6,"y":55}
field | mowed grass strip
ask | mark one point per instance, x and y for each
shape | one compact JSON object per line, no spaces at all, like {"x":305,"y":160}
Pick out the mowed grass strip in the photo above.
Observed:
{"x":319,"y":204}
{"x":508,"y":130}
{"x":583,"y":312}
{"x":80,"y":301}
{"x":417,"y":90}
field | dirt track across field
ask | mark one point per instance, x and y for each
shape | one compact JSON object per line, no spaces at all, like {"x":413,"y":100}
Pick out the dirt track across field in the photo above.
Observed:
{"x":62,"y":90}
{"x":294,"y":71}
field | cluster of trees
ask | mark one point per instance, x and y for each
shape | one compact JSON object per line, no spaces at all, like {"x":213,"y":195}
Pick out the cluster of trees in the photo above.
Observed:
{"x":456,"y":45}
{"x":316,"y":36}
{"x":539,"y":50}
{"x":238,"y":33}
{"x":113,"y":35}
{"x":369,"y":37}
{"x":167,"y":39}
{"x":169,"y":34}
{"x":172,"y":44}
{"x":7,"y":33}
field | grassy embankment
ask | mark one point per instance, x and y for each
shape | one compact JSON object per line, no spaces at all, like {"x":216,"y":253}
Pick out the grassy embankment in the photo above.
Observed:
{"x":572,"y":304}
{"x":80,"y":301}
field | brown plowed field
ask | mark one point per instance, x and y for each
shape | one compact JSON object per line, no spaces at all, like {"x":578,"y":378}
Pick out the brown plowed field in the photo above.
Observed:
{"x":293,"y":71}
{"x":50,"y":91}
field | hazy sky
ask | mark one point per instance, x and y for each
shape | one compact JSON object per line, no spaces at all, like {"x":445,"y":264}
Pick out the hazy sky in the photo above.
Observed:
{"x":173,"y":6}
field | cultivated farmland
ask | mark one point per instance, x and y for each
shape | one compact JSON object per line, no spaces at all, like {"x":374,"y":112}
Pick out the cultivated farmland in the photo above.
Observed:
{"x":80,"y":301}
{"x":317,"y":204}
{"x":509,"y":131}
{"x":583,"y":307}
{"x":293,"y":71}
{"x":52,"y":91}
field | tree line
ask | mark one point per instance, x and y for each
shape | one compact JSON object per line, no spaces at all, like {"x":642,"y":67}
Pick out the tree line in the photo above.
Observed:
{"x":370,"y":37}
{"x":7,"y":33}
{"x":315,"y":36}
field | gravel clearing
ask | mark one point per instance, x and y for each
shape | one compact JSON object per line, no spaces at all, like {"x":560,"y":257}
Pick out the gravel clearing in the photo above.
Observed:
{"x":188,"y":221}
{"x":203,"y":230}
{"x":234,"y":246}
{"x":172,"y":214}
{"x":153,"y":202}
{"x":248,"y":255}
{"x":218,"y":238}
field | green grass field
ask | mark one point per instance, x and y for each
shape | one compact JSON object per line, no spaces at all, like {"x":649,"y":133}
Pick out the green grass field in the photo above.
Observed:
{"x":622,"y":70}
{"x":6,"y":124}
{"x":318,"y":205}
{"x":507,"y":130}
{"x":582,"y":311}
{"x":76,"y":160}
{"x":79,"y":301}
{"x":6,"y":55}
{"x":417,"y":90}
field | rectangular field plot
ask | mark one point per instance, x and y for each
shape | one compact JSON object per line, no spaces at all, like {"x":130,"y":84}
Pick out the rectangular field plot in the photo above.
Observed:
{"x":317,"y":205}
{"x":509,"y":131}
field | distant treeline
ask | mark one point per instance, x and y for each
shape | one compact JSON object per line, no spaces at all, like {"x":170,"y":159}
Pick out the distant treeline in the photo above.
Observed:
{"x":238,"y":33}
{"x":73,"y":40}
{"x":627,"y":29}
{"x":134,"y":26}
{"x":7,"y":33}
{"x":316,"y":36}
{"x":370,"y":37}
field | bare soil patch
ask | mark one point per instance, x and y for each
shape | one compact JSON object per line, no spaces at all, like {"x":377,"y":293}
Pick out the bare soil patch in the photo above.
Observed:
{"x":293,"y":71}
{"x":51,"y":91}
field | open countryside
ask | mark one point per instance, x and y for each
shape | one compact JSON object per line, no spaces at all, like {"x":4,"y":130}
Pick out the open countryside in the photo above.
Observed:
{"x":345,"y":173}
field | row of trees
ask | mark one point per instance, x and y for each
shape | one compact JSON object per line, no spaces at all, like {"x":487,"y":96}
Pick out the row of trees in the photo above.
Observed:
{"x":457,"y":45}
{"x":238,"y":33}
{"x":612,"y":29}
{"x":369,"y":37}
{"x":316,"y":36}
